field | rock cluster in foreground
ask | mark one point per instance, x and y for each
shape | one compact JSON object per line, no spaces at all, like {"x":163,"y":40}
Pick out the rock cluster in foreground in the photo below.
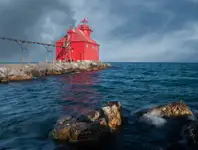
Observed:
{"x":98,"y":124}
{"x":18,"y":72}
{"x":92,"y":127}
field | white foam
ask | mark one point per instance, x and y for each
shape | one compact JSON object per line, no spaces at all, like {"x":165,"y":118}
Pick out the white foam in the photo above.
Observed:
{"x":156,"y":113}
{"x":153,"y":119}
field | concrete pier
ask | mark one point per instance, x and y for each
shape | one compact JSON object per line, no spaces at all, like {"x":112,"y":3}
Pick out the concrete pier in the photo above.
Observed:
{"x":19,"y":72}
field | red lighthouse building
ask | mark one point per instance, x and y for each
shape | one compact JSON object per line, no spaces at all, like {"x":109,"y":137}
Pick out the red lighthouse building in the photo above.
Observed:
{"x":77,"y":45}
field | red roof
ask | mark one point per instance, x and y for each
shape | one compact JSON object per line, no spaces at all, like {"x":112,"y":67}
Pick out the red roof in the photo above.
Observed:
{"x":79,"y":36}
{"x":82,"y":37}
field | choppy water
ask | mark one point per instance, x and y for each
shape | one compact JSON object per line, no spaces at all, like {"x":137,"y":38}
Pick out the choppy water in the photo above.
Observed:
{"x":28,"y":110}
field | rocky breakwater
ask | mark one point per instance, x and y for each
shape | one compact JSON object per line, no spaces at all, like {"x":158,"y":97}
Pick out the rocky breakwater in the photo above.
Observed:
{"x":91,"y":127}
{"x":18,"y":72}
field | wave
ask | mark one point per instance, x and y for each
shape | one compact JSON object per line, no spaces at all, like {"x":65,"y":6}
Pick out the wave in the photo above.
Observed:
{"x":153,"y":120}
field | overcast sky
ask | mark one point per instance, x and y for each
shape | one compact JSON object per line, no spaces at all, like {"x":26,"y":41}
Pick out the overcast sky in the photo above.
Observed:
{"x":127,"y":30}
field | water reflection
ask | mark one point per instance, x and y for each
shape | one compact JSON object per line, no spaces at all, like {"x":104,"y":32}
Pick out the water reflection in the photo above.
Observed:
{"x":79,"y":94}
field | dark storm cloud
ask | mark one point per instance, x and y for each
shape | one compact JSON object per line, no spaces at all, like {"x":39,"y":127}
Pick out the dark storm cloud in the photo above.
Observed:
{"x":153,"y":16}
{"x":154,"y":30}
{"x":23,"y":19}
{"x":128,"y":30}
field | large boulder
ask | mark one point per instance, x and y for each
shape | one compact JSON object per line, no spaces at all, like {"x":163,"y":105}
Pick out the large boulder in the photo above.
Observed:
{"x":173,"y":109}
{"x":113,"y":113}
{"x":90,"y":127}
{"x":75,"y":130}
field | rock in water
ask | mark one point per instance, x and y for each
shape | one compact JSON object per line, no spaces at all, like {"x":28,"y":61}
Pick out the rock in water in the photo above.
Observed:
{"x":190,"y":132}
{"x":113,"y":114}
{"x":90,"y":127}
{"x":173,"y":109}
{"x":75,"y":131}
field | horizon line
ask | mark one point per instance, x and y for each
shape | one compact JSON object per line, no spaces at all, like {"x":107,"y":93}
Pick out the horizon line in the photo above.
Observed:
{"x":113,"y":62}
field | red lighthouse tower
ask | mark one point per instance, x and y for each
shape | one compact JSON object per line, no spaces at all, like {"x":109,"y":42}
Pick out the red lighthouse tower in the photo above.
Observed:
{"x":77,"y":45}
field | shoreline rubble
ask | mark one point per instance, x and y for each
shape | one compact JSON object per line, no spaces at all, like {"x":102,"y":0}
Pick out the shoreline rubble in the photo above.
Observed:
{"x":21,"y":72}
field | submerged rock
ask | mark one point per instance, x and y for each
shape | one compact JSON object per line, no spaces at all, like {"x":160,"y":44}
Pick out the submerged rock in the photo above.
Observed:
{"x":173,"y":109}
{"x":189,"y":139}
{"x":181,"y":145}
{"x":190,"y":132}
{"x":91,"y":127}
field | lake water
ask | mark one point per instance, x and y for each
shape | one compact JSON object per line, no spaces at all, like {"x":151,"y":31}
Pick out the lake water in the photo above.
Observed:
{"x":28,"y":110}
